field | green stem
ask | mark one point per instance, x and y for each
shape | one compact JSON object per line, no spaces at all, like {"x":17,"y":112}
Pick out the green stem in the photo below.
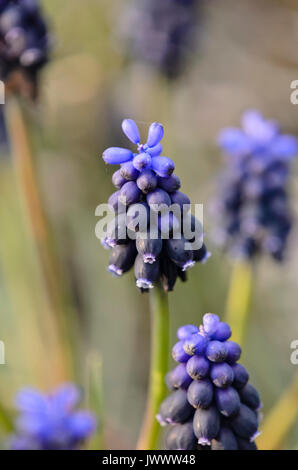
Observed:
{"x":239,"y":299}
{"x":160,"y":332}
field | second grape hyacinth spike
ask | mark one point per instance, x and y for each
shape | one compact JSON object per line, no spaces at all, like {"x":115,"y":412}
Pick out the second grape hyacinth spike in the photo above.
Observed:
{"x":24,"y":45}
{"x":212,"y":405}
{"x":253,"y":206}
{"x":162,"y":33}
{"x":153,"y":228}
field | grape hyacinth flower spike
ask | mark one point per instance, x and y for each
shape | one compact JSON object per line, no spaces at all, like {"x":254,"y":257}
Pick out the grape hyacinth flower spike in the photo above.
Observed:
{"x":24,"y":45}
{"x":253,"y":205}
{"x":146,"y":232}
{"x":51,"y":421}
{"x":162,"y":33}
{"x":212,"y":405}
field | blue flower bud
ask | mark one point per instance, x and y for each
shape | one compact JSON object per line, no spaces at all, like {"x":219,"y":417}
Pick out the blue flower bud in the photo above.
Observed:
{"x":168,"y":381}
{"x":147,"y":181}
{"x":250,"y":396}
{"x":131,"y":130}
{"x":114,"y":201}
{"x":216,"y":351}
{"x":142,"y":161}
{"x":182,"y":274}
{"x":163,"y":166}
{"x":245,"y":444}
{"x":234,"y":352}
{"x":201,"y":255}
{"x":195,"y":344}
{"x":221,"y":374}
{"x":226,"y":440}
{"x":222,"y":333}
{"x":206,"y":424}
{"x":30,"y":7}
{"x":129,"y":193}
{"x":227,"y":401}
{"x":155,"y":134}
{"x":178,"y":353}
{"x":198,"y":367}
{"x":171,"y":436}
{"x":122,"y":259}
{"x":138,"y":217}
{"x":129,"y":172}
{"x":187,"y":330}
{"x":116,"y":233}
{"x":169,"y":273}
{"x":175,"y":408}
{"x":117,"y":155}
{"x":245,"y":423}
{"x":147,"y":247}
{"x":154,"y":151}
{"x":118,"y":180}
{"x":168,"y":225}
{"x":178,"y":377}
{"x":181,"y":199}
{"x":170,"y":184}
{"x":200,"y":393}
{"x":145,"y":273}
{"x":240,"y":376}
{"x":176,"y":251}
{"x":157,"y":198}
{"x":185,"y":440}
{"x":210,"y":323}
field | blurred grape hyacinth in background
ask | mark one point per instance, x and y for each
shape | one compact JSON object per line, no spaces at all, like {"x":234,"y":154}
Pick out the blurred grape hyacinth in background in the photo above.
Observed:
{"x":51,"y":421}
{"x":146,"y":184}
{"x":253,"y":207}
{"x":162,"y":33}
{"x":212,"y":404}
{"x":24,"y":44}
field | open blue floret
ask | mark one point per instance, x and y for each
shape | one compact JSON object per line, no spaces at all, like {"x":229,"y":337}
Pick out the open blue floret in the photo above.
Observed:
{"x":148,"y":156}
{"x":51,"y":421}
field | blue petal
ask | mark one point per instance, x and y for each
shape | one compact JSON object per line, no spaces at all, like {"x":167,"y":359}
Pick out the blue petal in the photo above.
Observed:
{"x":131,"y":130}
{"x":255,"y":126}
{"x":284,"y":146}
{"x":117,"y":155}
{"x":155,"y":151}
{"x":33,"y":424}
{"x":30,"y":400}
{"x":155,"y":134}
{"x":235,"y":142}
{"x":163,"y":166}
{"x":142,"y":161}
{"x":23,"y":443}
{"x":66,"y":397}
{"x":81,"y":424}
